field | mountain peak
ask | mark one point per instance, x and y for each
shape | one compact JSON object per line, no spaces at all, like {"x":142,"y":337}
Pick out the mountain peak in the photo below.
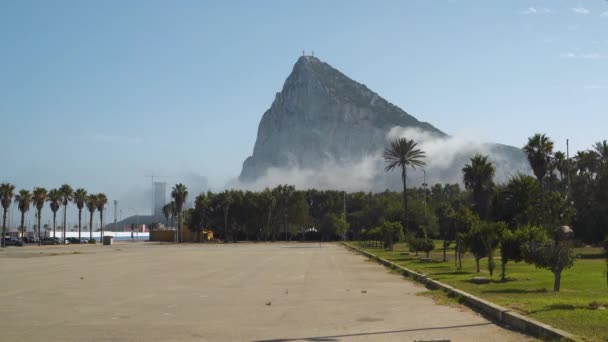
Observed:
{"x":320,"y":115}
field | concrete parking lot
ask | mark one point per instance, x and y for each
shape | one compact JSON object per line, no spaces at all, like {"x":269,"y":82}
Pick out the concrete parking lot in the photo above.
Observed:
{"x":234,"y":292}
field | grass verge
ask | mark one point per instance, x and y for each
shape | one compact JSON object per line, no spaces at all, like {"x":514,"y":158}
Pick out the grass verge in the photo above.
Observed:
{"x":580,"y":308}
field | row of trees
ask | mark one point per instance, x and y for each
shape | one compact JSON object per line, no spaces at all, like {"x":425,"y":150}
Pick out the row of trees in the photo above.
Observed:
{"x":56,"y":198}
{"x":527,"y":216}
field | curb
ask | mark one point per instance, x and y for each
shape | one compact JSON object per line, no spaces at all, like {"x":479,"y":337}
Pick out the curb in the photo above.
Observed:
{"x":493,"y":312}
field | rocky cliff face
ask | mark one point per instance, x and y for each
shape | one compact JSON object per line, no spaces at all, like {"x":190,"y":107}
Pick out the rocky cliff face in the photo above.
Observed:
{"x":322,"y":117}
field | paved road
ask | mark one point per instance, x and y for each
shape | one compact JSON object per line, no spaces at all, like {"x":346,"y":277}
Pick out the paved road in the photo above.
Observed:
{"x":242,"y":292}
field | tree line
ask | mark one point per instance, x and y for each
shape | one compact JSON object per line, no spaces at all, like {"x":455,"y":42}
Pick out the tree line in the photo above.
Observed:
{"x":56,"y":198}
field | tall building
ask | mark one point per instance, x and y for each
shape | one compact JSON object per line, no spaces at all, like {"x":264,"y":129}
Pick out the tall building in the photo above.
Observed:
{"x":160,"y":198}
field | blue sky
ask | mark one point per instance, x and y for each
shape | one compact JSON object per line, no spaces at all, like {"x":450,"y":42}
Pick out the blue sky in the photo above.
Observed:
{"x":100,"y":94}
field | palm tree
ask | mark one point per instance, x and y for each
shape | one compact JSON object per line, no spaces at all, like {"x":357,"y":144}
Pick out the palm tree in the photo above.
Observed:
{"x":39,"y":196}
{"x":55,"y":200}
{"x":80,"y":198}
{"x":601,"y":149}
{"x":539,"y":151}
{"x":179,"y":194}
{"x":478,"y":177}
{"x":66,"y":197}
{"x":101,"y":201}
{"x":403,"y":153}
{"x":561,"y":164}
{"x":91,"y":202}
{"x":24,"y":201}
{"x":168,"y":212}
{"x":6,"y":197}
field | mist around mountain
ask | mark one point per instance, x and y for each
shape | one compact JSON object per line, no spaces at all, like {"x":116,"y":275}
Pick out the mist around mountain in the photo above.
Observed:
{"x":327,"y":131}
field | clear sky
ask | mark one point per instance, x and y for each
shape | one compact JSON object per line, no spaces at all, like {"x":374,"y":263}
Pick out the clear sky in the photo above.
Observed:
{"x":100,"y":94}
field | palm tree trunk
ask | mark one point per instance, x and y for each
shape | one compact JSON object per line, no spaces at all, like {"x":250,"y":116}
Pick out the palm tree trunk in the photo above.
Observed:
{"x":405,"y":215}
{"x":22,"y":225}
{"x":54,"y":224}
{"x":39,"y":227}
{"x":91,"y":226}
{"x":101,"y":224}
{"x":79,"y":222}
{"x":65,"y":211}
{"x":3,"y":228}
{"x":179,"y":226}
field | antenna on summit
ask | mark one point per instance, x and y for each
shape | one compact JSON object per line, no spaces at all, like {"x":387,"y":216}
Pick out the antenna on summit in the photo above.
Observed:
{"x":303,"y":53}
{"x":313,"y":53}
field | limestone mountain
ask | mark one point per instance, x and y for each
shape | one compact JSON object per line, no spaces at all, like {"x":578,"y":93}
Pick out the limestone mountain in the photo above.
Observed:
{"x":321,"y":117}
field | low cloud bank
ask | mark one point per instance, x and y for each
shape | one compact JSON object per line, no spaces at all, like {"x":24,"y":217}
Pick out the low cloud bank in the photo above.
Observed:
{"x":445,"y":158}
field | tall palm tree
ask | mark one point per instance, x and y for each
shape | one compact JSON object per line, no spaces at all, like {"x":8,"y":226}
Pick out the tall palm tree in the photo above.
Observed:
{"x":539,"y":151}
{"x":403,"y":153}
{"x":561,"y":164}
{"x":6,"y":196}
{"x":80,"y":198}
{"x":91,"y":202}
{"x":54,"y":199}
{"x":66,"y":197}
{"x":478,"y":177}
{"x":24,"y":201}
{"x":101,"y":200}
{"x":179,"y":194}
{"x":39,"y":196}
{"x":167,"y":212}
{"x":601,"y":149}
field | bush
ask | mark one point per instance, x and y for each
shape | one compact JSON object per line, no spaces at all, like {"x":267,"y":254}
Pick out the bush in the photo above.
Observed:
{"x":426,"y":246}
{"x":92,"y":241}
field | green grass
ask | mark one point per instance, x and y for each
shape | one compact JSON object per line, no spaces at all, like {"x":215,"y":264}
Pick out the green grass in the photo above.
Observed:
{"x":527,"y":290}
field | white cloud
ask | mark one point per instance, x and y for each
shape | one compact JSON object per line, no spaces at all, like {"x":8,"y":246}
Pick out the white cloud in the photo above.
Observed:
{"x":595,"y":86}
{"x":536,"y":10}
{"x":605,"y":14}
{"x":580,"y":10}
{"x":592,"y":55}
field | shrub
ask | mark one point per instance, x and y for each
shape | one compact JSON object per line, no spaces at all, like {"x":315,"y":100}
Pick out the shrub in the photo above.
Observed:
{"x":92,"y":241}
{"x":426,"y":246}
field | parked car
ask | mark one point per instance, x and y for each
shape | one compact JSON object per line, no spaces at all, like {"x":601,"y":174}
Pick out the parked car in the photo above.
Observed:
{"x":74,"y":240}
{"x":51,"y":241}
{"x":30,"y":239}
{"x":13,"y":242}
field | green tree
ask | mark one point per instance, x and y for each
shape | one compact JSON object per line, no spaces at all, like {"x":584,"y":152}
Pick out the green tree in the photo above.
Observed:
{"x":54,"y":199}
{"x":539,"y":151}
{"x":482,"y":240}
{"x":91,"y":203}
{"x":478,"y":177}
{"x":39,"y":196}
{"x":80,"y":198}
{"x":447,"y":230}
{"x":24,"y":201}
{"x":6,"y":196}
{"x":101,"y":200}
{"x":67,"y":194}
{"x":553,"y":257}
{"x":511,"y":244}
{"x":464,"y":221}
{"x":403,"y":153}
{"x":392,"y":232}
{"x":179,"y":195}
